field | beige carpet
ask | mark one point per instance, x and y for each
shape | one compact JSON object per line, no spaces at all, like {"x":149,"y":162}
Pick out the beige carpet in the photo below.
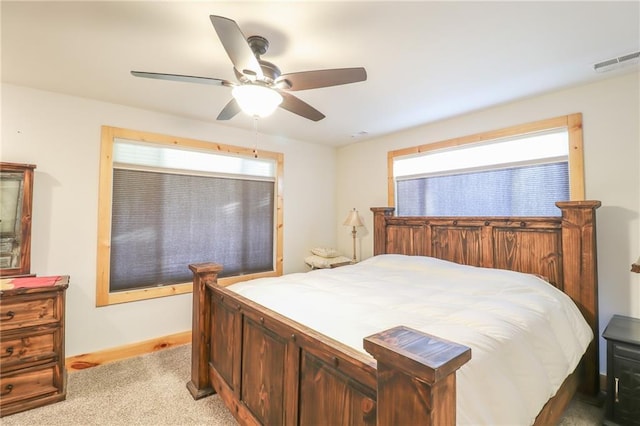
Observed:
{"x":145,"y":390}
{"x":151,"y":390}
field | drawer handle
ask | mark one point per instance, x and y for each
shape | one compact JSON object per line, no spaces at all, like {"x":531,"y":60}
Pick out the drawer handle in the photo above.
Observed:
{"x":9,"y":316}
{"x":9,"y":352}
{"x":615,"y":391}
{"x":7,"y":390}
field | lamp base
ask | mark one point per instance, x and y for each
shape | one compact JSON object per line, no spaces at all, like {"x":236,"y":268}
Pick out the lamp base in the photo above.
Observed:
{"x":353,"y":233}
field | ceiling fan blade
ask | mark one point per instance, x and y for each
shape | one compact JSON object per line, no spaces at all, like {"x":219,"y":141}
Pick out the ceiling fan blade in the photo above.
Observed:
{"x":321,"y":78}
{"x":235,"y":43}
{"x":298,"y":106}
{"x":183,"y":78}
{"x":230,"y":110}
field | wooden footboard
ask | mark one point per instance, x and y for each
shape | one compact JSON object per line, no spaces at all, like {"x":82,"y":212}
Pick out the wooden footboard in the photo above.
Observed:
{"x":271,"y":370}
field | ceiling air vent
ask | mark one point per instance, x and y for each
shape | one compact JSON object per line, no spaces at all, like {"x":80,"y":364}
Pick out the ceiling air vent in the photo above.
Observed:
{"x":620,"y":61}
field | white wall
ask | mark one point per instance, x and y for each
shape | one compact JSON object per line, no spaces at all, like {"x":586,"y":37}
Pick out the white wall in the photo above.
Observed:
{"x":61,"y":136}
{"x":611,"y":117}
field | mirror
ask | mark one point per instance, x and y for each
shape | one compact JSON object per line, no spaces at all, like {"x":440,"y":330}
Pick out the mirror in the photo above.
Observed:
{"x":16,"y":188}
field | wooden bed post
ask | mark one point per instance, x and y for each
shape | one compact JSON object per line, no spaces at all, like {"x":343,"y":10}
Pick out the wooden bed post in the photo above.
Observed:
{"x":380,"y":236}
{"x":416,"y":377}
{"x":580,"y":277}
{"x":203,"y":273}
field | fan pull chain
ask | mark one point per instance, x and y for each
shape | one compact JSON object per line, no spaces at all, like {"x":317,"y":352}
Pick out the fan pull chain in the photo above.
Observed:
{"x":255,"y":128}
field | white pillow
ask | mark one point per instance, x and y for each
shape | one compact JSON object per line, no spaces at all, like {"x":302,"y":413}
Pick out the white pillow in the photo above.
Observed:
{"x":325,"y":252}
{"x":324,"y":262}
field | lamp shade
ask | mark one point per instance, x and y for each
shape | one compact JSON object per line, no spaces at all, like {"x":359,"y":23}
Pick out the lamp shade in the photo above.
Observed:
{"x":256,"y":100}
{"x":353,"y":219}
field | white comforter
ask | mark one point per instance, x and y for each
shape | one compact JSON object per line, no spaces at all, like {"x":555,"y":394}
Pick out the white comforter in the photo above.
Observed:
{"x":525,"y":336}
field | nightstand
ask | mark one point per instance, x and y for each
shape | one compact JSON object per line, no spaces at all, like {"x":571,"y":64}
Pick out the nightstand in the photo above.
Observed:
{"x":623,"y":370}
{"x":320,"y":262}
{"x":339,"y":264}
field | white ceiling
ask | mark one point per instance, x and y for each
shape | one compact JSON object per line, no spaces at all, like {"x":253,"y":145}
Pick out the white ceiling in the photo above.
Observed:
{"x":425,"y":61}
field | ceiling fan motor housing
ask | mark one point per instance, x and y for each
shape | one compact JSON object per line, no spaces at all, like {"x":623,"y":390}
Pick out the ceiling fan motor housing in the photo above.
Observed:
{"x":259,"y":46}
{"x":270,"y":71}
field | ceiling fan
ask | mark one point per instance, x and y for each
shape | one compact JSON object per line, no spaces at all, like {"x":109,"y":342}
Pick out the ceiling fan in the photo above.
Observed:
{"x":261,"y":81}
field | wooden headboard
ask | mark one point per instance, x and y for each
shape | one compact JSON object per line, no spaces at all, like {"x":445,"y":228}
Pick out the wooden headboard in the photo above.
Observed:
{"x":561,"y":249}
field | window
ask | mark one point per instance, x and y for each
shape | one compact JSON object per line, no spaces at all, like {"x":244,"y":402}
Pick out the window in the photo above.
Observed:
{"x":518,"y":171}
{"x":168,"y":202}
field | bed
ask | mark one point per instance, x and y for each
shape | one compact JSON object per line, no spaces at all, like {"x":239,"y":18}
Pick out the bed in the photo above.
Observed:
{"x":271,"y":369}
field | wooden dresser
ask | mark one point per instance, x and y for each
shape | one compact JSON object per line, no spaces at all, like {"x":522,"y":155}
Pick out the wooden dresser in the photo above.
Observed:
{"x":32,"y":363}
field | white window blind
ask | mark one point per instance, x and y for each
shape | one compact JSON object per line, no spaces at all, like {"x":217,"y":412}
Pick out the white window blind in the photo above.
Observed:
{"x":150,"y":155}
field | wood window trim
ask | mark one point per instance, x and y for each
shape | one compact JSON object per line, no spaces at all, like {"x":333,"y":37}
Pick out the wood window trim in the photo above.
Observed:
{"x":572,"y":122}
{"x":108,"y":135}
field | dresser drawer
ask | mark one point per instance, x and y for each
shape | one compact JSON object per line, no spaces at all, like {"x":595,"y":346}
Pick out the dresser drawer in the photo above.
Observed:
{"x":28,"y":384}
{"x":625,"y":350}
{"x":28,"y":310}
{"x":19,"y":349}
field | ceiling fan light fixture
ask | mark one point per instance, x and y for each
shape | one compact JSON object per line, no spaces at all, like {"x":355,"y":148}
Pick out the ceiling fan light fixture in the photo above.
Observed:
{"x":256,"y":100}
